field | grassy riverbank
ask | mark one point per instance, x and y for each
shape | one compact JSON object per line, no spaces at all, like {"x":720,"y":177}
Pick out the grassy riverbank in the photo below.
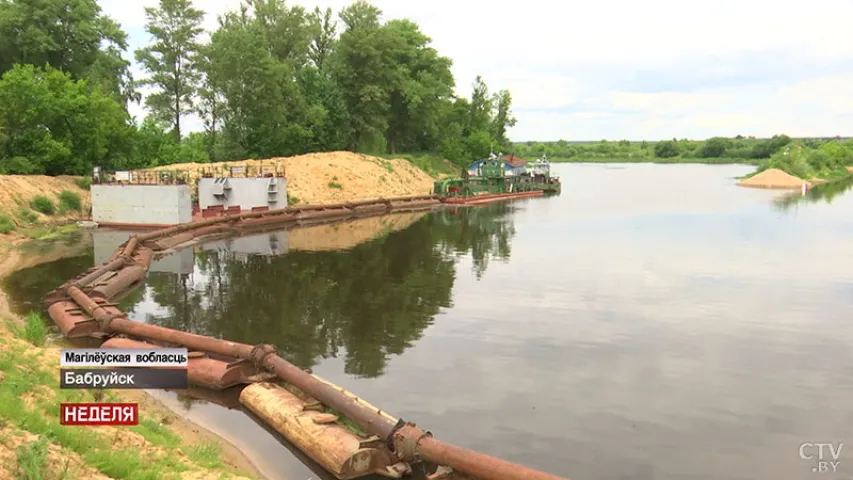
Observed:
{"x":33,"y":445}
{"x":713,"y":150}
{"x":812,"y":160}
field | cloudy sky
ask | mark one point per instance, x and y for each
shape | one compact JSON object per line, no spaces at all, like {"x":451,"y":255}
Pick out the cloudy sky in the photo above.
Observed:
{"x":632,"y":70}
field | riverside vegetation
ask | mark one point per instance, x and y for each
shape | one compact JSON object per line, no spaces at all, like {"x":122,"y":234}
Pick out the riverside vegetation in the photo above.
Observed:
{"x":804,"y":158}
{"x":273,"y":80}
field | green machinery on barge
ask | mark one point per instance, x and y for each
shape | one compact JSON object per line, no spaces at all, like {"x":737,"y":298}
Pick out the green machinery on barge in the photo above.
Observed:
{"x":493,"y":176}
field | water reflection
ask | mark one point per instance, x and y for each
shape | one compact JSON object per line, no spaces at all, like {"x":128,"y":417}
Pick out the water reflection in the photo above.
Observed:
{"x":363,"y":304}
{"x":826,"y":192}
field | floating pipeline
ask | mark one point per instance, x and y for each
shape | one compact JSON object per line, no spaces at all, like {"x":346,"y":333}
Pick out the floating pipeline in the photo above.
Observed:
{"x":496,"y":197}
{"x":82,"y":308}
{"x":202,"y":370}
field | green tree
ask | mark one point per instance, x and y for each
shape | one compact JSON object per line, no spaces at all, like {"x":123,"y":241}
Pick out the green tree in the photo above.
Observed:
{"x":55,"y":125}
{"x":257,"y":90}
{"x":68,"y":35}
{"x":171,"y":60}
{"x":666,"y":149}
{"x":420,"y":81}
{"x":715,"y":147}
{"x":209,"y":102}
{"x":361,"y":71}
{"x":503,"y":117}
{"x":480,"y":116}
{"x":324,"y":31}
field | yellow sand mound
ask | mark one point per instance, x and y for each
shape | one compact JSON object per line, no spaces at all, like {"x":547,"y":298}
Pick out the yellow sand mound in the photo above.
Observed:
{"x":773,"y":178}
{"x":330,"y":177}
{"x":16,"y":191}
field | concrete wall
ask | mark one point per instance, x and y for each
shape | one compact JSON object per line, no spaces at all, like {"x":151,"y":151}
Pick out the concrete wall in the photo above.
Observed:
{"x":106,"y":241}
{"x":142,"y":204}
{"x":269,"y":244}
{"x":243,"y":192}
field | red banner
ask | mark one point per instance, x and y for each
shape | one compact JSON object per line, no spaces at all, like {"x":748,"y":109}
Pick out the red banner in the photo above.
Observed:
{"x":98,"y":414}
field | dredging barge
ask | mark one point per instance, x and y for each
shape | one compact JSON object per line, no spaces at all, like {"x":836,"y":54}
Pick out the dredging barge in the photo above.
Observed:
{"x":305,"y":409}
{"x":496,"y":179}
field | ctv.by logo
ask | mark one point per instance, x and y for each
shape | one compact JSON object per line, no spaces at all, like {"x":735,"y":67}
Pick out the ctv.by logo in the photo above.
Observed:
{"x":825,"y":455}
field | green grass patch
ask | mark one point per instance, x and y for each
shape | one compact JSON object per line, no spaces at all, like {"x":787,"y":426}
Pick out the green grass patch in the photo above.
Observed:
{"x":22,"y":373}
{"x":32,"y":460}
{"x":42,"y":204}
{"x":69,"y":202}
{"x":49,"y":232}
{"x":335,"y":185}
{"x":34,"y":330}
{"x":84,"y":182}
{"x":434,"y":165}
{"x":292,"y":200}
{"x":27,"y":216}
{"x":206,"y":454}
{"x":6,"y":224}
{"x":157,"y":433}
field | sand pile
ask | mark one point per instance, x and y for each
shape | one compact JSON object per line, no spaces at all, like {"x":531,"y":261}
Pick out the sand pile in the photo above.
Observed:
{"x":16,"y":191}
{"x":331,"y":177}
{"x":343,"y":236}
{"x":773,"y":178}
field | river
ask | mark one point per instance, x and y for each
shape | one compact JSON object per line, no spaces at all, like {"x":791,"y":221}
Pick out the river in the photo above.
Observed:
{"x":653,"y":321}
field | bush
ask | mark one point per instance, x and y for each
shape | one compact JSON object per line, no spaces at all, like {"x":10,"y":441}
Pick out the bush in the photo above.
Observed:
{"x":666,"y":149}
{"x":715,"y":147}
{"x":69,"y":201}
{"x":42,"y":204}
{"x":84,"y":182}
{"x":6,"y":224}
{"x":27,"y":216}
{"x":793,"y":160}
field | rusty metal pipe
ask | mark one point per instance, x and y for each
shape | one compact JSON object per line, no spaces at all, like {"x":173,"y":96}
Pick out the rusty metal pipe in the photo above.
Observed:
{"x":130,"y":246}
{"x":481,"y":466}
{"x":367,"y":419}
{"x":118,"y":283}
{"x":96,"y":274}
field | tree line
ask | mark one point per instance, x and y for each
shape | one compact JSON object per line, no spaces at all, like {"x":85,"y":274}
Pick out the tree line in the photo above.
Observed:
{"x":270,"y":80}
{"x":804,"y":157}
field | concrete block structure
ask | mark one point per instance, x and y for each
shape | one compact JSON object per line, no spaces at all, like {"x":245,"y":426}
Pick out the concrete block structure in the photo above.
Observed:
{"x":242,"y":193}
{"x":141,"y":204}
{"x":106,"y":241}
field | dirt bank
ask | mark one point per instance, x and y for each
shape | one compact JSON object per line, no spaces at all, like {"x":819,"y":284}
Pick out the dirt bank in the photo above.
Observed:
{"x":165,"y":442}
{"x":331,"y":177}
{"x":16,"y":191}
{"x":343,"y":236}
{"x":774,"y":178}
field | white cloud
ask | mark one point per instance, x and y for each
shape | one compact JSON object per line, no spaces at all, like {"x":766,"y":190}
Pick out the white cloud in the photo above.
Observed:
{"x":680,"y":69}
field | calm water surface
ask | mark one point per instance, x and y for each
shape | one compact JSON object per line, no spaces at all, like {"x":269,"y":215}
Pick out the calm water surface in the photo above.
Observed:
{"x":654,"y":321}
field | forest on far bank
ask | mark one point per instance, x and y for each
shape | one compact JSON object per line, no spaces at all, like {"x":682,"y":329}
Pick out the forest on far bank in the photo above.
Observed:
{"x":801,"y":157}
{"x":272,"y":80}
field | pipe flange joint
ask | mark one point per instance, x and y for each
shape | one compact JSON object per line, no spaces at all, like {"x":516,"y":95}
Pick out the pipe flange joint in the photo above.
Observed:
{"x":406,"y":440}
{"x":259,"y":354}
{"x":104,"y":320}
